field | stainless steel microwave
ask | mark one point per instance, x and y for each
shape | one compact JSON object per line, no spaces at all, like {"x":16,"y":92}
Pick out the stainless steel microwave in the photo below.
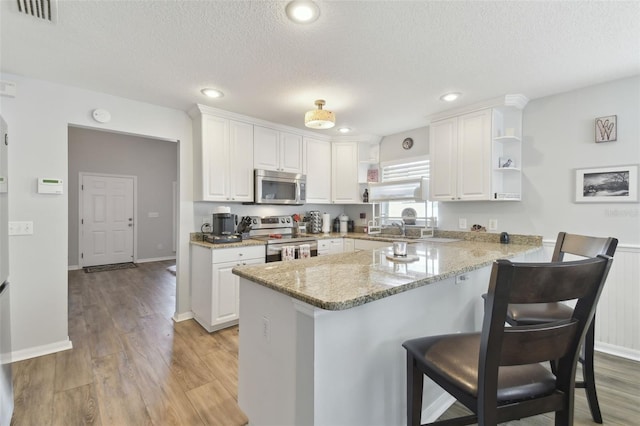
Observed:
{"x":279,"y":187}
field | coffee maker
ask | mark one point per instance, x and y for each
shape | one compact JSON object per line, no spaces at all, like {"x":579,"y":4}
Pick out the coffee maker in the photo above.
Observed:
{"x":223,"y":227}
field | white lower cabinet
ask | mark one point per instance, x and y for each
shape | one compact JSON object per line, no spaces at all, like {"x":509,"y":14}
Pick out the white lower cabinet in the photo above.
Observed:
{"x":348,"y":245}
{"x":332,"y":246}
{"x":215,"y":300}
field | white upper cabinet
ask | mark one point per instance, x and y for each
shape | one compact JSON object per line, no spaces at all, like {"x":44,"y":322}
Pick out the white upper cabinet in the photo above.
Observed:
{"x":317,"y":168}
{"x":478,"y":155}
{"x":344,"y":173}
{"x":460,"y":151}
{"x":278,"y":151}
{"x":223,"y":159}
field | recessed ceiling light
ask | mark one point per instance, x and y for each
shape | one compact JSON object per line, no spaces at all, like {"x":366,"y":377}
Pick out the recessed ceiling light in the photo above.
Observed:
{"x":212,"y":93}
{"x":344,"y":130}
{"x":302,"y":11}
{"x":450,"y":97}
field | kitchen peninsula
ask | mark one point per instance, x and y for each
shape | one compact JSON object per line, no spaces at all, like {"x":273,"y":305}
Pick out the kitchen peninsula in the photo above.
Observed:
{"x":320,"y":339}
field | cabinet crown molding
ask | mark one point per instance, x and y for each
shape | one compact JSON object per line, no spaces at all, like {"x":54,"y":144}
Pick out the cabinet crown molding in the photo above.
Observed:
{"x":518,"y":101}
{"x":199,"y":109}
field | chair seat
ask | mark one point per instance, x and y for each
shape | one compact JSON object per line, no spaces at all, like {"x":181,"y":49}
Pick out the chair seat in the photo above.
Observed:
{"x":537,"y":313}
{"x":455,"y":357}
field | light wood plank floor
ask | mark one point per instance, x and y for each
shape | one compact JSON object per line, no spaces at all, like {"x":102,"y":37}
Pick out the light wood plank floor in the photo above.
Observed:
{"x":132,"y":365}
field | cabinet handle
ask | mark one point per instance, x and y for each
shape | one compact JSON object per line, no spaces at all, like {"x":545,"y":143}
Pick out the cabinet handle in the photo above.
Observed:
{"x":239,"y":254}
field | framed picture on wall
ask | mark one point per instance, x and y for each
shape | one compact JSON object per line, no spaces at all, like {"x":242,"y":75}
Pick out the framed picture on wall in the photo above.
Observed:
{"x":617,"y":184}
{"x":606,"y":129}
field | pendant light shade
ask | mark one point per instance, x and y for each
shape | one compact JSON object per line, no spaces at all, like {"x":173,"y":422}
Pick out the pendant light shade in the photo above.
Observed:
{"x":319,"y":118}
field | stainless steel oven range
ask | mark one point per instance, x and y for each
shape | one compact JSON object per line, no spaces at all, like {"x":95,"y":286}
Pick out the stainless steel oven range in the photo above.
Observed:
{"x":277,"y":231}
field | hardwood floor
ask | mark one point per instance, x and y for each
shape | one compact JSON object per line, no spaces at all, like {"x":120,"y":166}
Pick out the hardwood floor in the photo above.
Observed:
{"x":132,"y":365}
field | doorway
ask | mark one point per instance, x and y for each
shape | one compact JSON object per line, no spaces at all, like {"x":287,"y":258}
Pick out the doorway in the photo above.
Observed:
{"x":107,"y":219}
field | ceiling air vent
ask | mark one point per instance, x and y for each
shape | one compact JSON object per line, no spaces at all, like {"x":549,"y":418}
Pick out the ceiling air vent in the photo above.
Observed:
{"x":41,"y":9}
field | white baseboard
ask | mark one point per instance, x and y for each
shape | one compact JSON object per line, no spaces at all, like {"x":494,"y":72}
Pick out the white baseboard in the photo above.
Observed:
{"x":73,"y":267}
{"x":437,"y":408}
{"x":183,"y":316}
{"x":155,"y":259}
{"x":37,"y":351}
{"x":617,"y":351}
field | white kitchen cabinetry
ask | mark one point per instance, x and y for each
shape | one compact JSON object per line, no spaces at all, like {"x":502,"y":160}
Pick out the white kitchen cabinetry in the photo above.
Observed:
{"x":344,"y":173}
{"x":317,"y":168}
{"x":223,"y":159}
{"x":460,"y":151}
{"x":215,"y":298}
{"x":348,"y":245}
{"x":506,"y":157}
{"x":278,"y":151}
{"x":477,"y":155}
{"x":330,"y":246}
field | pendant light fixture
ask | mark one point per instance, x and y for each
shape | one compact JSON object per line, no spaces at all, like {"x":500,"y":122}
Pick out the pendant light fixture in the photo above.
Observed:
{"x":320,"y":118}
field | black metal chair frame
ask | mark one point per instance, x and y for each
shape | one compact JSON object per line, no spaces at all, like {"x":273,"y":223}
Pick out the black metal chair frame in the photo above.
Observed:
{"x":518,"y":346}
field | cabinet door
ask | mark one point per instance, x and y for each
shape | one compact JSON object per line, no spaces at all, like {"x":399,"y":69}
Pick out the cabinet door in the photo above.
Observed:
{"x":443,"y":149}
{"x":225,"y":294}
{"x":215,"y":158}
{"x":317,"y":167}
{"x":336,"y":246}
{"x":344,"y":173}
{"x":349,"y":245}
{"x":266,"y":152}
{"x":290,"y":153}
{"x":241,"y":161}
{"x":474,"y":156}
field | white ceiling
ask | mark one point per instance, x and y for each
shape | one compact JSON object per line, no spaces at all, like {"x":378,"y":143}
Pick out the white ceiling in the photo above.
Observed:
{"x":380,"y":65}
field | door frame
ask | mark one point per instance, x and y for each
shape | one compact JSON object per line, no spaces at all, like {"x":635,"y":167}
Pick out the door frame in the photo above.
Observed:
{"x":81,"y":176}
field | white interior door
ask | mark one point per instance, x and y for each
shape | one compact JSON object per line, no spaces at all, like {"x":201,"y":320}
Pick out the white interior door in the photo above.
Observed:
{"x":107,"y":220}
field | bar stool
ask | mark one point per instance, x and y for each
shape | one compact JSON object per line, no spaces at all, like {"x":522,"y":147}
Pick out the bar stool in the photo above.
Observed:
{"x":585,"y":247}
{"x":497,"y":373}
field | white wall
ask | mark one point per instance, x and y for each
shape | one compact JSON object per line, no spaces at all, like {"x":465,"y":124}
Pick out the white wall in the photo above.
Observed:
{"x":155,"y":164}
{"x":38,"y":118}
{"x":558,"y":137}
{"x":391,"y":145}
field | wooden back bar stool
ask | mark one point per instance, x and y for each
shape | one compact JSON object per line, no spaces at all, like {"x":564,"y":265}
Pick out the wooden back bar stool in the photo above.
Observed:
{"x":517,"y":314}
{"x":498,"y":373}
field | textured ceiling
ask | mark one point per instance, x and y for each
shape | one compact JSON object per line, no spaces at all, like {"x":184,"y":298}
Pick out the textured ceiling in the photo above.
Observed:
{"x":380,"y":65}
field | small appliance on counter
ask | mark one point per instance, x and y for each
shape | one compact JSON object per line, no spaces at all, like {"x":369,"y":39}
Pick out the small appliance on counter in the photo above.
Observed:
{"x":223,"y":227}
{"x":344,"y":223}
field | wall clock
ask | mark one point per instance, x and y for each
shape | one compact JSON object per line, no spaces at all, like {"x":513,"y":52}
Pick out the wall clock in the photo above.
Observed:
{"x":407,"y":143}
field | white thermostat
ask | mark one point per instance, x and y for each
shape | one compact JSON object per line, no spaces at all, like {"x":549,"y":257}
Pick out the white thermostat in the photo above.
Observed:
{"x":49,"y":186}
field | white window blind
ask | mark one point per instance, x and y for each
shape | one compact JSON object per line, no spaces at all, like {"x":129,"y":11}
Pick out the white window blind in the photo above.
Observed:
{"x":409,"y":170}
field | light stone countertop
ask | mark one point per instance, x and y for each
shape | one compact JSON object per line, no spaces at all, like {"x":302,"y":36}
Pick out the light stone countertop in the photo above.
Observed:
{"x":347,"y":280}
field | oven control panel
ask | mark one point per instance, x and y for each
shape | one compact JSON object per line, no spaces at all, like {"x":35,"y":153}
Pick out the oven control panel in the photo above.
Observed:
{"x":267,"y":222}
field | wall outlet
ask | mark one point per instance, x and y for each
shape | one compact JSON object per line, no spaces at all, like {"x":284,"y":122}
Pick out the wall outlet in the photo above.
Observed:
{"x":21,"y":228}
{"x":462,"y":223}
{"x":461,"y":279}
{"x":493,"y":224}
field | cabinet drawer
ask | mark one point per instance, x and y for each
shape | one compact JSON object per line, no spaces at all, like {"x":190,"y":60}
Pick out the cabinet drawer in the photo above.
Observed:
{"x":240,"y":253}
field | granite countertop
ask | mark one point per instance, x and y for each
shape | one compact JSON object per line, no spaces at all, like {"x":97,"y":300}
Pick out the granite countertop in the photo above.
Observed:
{"x":344,"y":281}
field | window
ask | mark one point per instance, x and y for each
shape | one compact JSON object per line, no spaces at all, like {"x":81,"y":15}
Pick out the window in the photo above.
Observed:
{"x":396,"y":210}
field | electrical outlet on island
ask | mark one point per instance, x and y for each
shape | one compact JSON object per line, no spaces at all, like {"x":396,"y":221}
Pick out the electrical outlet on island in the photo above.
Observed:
{"x":462,"y":223}
{"x":493,"y":224}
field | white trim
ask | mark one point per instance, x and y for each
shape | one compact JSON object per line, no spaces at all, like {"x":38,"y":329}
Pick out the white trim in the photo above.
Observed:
{"x":518,"y":101}
{"x":184,"y":316}
{"x":37,"y":351}
{"x":73,"y":268}
{"x":155,"y":259}
{"x":619,"y":351}
{"x":81,"y":176}
{"x":204,"y":109}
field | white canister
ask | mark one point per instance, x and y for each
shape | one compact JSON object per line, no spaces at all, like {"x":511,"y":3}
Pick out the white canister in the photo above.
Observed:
{"x":344,"y":219}
{"x":326,"y":223}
